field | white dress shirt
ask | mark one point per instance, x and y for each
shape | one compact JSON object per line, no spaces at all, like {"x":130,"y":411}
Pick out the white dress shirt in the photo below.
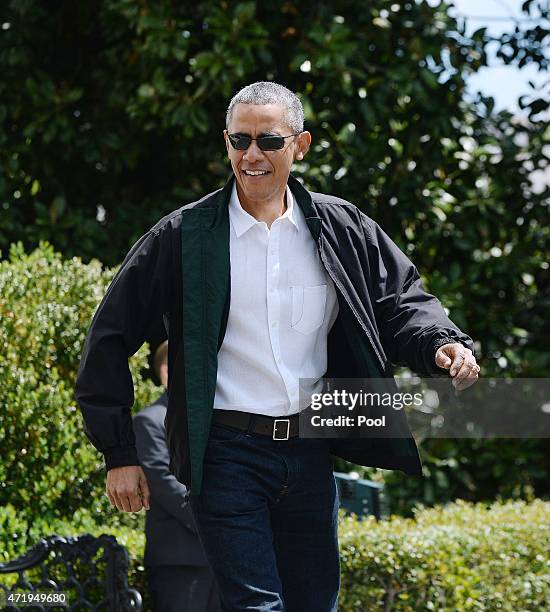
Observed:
{"x":283,"y":304}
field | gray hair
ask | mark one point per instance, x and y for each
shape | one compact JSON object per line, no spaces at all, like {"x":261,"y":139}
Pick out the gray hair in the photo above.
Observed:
{"x":266,"y":92}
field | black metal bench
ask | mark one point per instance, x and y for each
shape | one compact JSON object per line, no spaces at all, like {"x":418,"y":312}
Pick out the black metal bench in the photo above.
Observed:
{"x":93,"y":571}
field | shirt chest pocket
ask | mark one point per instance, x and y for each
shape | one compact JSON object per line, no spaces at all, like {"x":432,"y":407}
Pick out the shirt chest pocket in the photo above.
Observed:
{"x":308,"y":304}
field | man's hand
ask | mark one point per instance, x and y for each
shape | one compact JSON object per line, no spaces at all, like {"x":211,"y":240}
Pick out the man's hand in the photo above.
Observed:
{"x":461,"y":362}
{"x":127,"y":488}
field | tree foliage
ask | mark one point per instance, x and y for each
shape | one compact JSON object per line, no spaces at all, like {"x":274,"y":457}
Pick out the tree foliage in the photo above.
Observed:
{"x":112,"y":115}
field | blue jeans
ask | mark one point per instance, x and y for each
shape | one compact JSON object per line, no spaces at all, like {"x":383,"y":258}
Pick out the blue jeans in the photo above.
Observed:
{"x":267,"y":517}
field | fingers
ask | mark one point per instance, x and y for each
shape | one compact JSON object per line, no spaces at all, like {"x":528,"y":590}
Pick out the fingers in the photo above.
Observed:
{"x":463,"y":367}
{"x":458,"y":362}
{"x":441,"y":358}
{"x":144,"y":491}
{"x":127,"y":502}
{"x":465,"y":382}
{"x":121,"y":502}
{"x":127,"y":488}
{"x":135,"y":502}
{"x":467,"y":374}
{"x":467,"y":368}
{"x":111,"y":498}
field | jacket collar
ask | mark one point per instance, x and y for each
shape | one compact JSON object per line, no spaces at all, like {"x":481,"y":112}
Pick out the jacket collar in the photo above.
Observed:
{"x":163,"y":399}
{"x":216,"y":209}
{"x":242,"y":221}
{"x":305,"y":202}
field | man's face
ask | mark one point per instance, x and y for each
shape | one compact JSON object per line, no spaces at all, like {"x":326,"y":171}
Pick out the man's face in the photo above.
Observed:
{"x":263,"y":120}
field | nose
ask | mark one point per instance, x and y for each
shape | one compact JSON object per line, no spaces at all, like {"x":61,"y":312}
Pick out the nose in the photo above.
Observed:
{"x":253,"y":153}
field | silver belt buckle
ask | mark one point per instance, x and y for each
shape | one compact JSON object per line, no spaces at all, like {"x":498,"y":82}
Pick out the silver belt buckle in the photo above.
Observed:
{"x":287,"y":434}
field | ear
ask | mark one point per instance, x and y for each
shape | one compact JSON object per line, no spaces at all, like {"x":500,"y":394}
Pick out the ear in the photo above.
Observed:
{"x":303,"y":142}
{"x":163,"y":374}
{"x":227,"y":143}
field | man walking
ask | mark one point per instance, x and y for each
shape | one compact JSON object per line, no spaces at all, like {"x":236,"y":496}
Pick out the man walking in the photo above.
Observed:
{"x":262,"y":285}
{"x":177,"y":570}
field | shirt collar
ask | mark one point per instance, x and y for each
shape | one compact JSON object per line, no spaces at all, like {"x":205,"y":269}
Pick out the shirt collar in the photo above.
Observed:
{"x":242,"y":221}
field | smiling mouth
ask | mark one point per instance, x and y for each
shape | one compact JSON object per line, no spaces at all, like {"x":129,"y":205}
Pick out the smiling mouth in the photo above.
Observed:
{"x":255,"y":172}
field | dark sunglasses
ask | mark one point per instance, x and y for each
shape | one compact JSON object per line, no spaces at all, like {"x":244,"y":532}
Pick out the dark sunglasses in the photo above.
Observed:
{"x":241,"y":142}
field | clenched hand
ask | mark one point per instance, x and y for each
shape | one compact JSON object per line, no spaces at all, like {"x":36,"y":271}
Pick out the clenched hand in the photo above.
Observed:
{"x":127,"y":488}
{"x":461,"y":363}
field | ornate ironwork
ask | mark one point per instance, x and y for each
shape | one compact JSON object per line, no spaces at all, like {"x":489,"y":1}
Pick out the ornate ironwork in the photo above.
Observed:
{"x":93,"y":571}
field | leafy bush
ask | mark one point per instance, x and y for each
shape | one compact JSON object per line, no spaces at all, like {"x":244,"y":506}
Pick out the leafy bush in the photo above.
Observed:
{"x":48,"y":467}
{"x":457,"y":557}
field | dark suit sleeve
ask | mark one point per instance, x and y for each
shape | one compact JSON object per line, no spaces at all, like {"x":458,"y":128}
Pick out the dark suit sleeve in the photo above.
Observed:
{"x":412,"y":322}
{"x":133,"y":306}
{"x":153,"y":456}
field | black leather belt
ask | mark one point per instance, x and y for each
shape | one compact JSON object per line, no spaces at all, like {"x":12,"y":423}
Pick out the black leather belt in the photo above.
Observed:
{"x":277,"y":428}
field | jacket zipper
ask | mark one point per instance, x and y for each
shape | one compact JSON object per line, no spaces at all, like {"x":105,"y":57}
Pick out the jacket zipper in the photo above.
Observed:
{"x":358,"y":319}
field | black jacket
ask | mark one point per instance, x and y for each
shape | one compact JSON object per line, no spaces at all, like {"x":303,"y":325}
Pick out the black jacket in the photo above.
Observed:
{"x":179,"y":273}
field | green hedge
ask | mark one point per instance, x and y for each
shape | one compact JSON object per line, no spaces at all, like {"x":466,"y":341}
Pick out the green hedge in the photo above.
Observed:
{"x":48,"y":469}
{"x":457,"y":557}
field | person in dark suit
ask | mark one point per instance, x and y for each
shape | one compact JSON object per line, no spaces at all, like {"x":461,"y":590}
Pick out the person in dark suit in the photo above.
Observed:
{"x":177,"y":571}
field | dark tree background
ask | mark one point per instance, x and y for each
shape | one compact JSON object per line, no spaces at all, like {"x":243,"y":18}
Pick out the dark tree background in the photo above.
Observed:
{"x":112,"y":111}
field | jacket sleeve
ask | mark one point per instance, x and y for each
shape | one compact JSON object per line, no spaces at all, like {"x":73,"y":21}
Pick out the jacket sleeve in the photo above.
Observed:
{"x":412,"y":323}
{"x":153,"y":455}
{"x":131,"y":308}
